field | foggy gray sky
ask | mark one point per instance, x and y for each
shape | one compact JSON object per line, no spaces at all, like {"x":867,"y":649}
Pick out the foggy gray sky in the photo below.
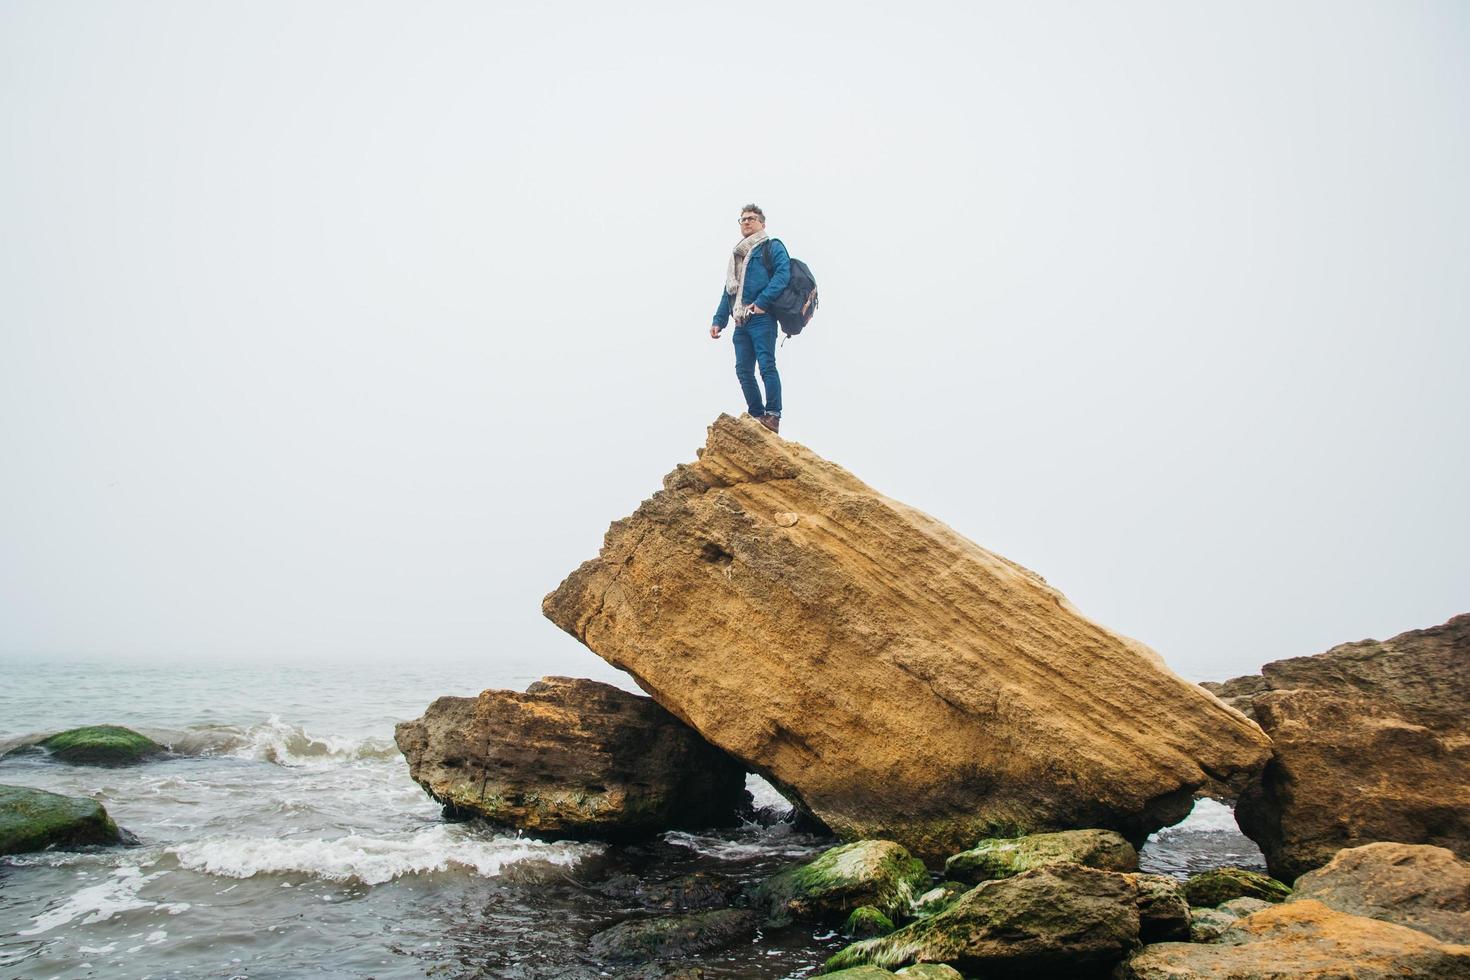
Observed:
{"x":342,"y":330}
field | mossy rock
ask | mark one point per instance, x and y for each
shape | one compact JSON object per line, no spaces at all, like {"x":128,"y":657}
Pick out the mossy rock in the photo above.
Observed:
{"x":879,"y":873}
{"x":101,"y":745}
{"x":1208,"y":889}
{"x":861,"y":973}
{"x":930,"y":971}
{"x":867,"y":922}
{"x":1059,"y":920}
{"x":939,"y":898}
{"x":672,"y":935}
{"x":33,"y":820}
{"x":1105,"y":850}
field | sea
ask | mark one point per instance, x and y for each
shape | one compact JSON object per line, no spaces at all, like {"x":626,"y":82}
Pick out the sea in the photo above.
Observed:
{"x":283,"y":838}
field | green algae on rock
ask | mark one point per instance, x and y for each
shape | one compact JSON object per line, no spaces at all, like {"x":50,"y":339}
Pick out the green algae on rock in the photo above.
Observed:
{"x":1209,"y":888}
{"x":101,"y":745}
{"x":863,"y":973}
{"x":33,"y":820}
{"x":1058,"y":920}
{"x":672,"y":935}
{"x":867,"y":922}
{"x":1105,"y":850}
{"x":939,"y":898}
{"x":930,"y":971}
{"x":879,"y":873}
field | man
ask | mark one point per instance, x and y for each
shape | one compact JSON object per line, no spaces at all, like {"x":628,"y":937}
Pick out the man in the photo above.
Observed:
{"x":749,"y":290}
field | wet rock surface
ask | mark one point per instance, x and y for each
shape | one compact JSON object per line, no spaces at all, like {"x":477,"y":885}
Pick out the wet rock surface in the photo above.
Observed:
{"x":1059,"y":920}
{"x":898,"y":680}
{"x":33,"y":820}
{"x":671,"y":936}
{"x":1003,"y":857}
{"x":101,"y":745}
{"x":880,"y":874}
{"x":1211,"y":888}
{"x":571,"y":758}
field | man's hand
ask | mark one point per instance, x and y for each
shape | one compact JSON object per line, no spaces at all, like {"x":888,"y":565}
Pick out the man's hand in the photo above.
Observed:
{"x":714,"y":332}
{"x":756,"y":309}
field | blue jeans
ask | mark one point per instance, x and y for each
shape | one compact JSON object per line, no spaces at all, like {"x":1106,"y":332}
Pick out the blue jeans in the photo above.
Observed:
{"x":755,"y":343}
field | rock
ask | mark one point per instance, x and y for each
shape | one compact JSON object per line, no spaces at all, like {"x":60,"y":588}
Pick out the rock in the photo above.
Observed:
{"x":1163,"y":912}
{"x":672,"y":935}
{"x":930,"y":971}
{"x":939,"y":898}
{"x":1349,"y":771}
{"x":1372,"y":743}
{"x":866,"y":922}
{"x":687,"y":893}
{"x":570,"y":758}
{"x":1003,"y":857}
{"x":33,"y":820}
{"x":1245,"y":905}
{"x":891,"y":677}
{"x":1207,"y":925}
{"x":1058,"y":920}
{"x":879,"y":873}
{"x":1210,"y":888}
{"x":1303,"y":940}
{"x":1424,"y":888}
{"x":862,"y":973}
{"x":101,"y":745}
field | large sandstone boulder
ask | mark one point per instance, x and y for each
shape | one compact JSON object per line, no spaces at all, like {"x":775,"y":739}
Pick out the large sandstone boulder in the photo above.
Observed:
{"x":570,"y":758}
{"x":1424,"y":888}
{"x":891,"y":677}
{"x":1303,"y":941}
{"x":1372,"y":743}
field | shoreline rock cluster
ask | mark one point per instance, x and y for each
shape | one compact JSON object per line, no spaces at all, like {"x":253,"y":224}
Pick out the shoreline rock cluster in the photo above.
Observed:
{"x":933,"y":704}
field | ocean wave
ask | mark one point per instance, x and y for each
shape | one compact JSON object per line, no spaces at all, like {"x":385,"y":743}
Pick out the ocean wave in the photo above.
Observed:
{"x":764,"y":842}
{"x":279,"y":742}
{"x":1208,"y":817}
{"x":100,"y":902}
{"x":374,"y":860}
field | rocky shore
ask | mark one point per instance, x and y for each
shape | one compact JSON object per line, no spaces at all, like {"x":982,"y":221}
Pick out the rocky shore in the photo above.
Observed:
{"x":988,"y":759}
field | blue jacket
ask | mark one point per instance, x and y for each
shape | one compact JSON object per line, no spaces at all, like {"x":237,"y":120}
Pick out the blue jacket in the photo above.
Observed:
{"x":760,"y":288}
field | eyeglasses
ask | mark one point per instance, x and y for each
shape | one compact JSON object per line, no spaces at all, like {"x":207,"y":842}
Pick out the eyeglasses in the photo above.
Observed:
{"x":752,"y":218}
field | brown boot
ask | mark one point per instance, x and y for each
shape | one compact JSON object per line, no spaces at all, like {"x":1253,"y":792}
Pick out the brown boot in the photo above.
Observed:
{"x":772,"y":422}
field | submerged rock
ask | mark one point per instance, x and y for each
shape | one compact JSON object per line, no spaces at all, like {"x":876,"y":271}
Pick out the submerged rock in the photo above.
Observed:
{"x":895,"y":679}
{"x":1059,"y":920}
{"x":1372,"y":743}
{"x":1306,"y":940}
{"x":1003,"y":857}
{"x":693,"y":892}
{"x":877,"y":873}
{"x":672,"y":935}
{"x":570,"y":758}
{"x":33,"y":820}
{"x":1210,"y":888}
{"x":1424,"y":888}
{"x":101,"y":745}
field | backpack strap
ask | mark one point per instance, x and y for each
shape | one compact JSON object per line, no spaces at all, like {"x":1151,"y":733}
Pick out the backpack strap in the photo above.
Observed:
{"x":766,"y":256}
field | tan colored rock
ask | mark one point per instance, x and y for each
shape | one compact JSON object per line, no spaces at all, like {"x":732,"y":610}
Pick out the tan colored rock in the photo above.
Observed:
{"x":570,"y":758}
{"x":1303,"y":940}
{"x":1424,"y":888}
{"x":892,"y":677}
{"x":1372,"y":743}
{"x":1348,"y":771}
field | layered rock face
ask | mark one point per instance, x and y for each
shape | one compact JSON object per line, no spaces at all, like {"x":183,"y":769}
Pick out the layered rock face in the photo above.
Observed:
{"x":570,"y":758}
{"x":1372,"y":743}
{"x":893,"y":678}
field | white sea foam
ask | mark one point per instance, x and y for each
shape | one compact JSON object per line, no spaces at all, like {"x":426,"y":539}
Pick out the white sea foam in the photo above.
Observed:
{"x":1208,"y":817}
{"x":771,"y":842}
{"x":374,"y":860}
{"x":276,"y":741}
{"x":98,"y":903}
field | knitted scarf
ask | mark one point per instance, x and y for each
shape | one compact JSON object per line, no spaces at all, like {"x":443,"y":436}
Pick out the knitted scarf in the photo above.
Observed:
{"x":735,"y":275}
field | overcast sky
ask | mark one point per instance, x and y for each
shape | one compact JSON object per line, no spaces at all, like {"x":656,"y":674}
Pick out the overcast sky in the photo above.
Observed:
{"x":342,"y":329}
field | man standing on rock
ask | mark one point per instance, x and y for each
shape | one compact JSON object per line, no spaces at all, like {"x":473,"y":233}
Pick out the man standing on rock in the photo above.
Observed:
{"x":758,"y":270}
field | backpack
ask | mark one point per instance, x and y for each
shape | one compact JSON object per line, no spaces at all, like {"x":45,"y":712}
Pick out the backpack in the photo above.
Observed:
{"x":797,"y":303}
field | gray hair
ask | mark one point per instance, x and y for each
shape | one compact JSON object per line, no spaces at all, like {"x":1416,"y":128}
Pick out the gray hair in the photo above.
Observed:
{"x":754,"y":209}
